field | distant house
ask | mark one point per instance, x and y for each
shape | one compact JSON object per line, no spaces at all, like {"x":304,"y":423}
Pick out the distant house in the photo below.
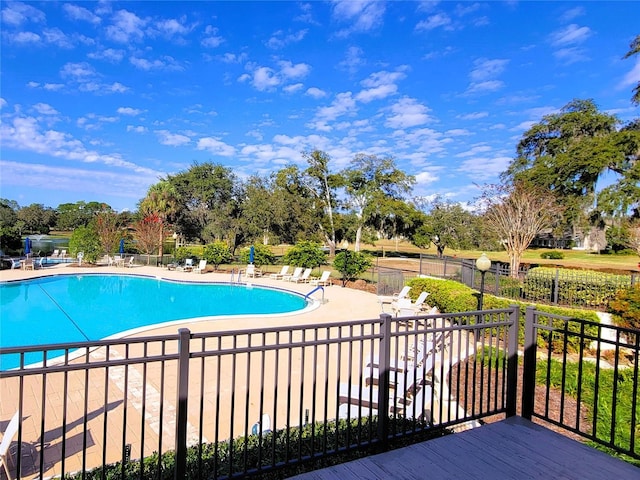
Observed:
{"x":594,"y":240}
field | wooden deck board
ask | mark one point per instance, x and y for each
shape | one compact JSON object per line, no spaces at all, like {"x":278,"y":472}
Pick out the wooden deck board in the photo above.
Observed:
{"x":512,"y":448}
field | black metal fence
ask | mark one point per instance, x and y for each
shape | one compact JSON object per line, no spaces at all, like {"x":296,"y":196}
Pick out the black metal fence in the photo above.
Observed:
{"x":553,"y":286}
{"x":238,"y":403}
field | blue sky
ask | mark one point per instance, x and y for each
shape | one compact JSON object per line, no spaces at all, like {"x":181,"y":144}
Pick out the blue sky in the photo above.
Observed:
{"x":99,"y":100}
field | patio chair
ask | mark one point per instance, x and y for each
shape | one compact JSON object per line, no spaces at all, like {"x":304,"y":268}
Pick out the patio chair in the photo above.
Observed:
{"x":404,"y":307}
{"x":296,"y":273}
{"x":130,"y":263}
{"x":201,"y":268}
{"x":323,"y":280}
{"x":304,"y":278}
{"x":187,"y":267}
{"x":15,"y":263}
{"x":63,"y":254}
{"x":10,"y":432}
{"x":252,"y":272}
{"x":55,"y":254}
{"x":279,"y":276}
{"x":391,"y":299}
{"x":28,"y":264}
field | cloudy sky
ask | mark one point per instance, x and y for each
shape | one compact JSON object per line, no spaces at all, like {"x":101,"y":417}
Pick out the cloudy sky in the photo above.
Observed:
{"x":98,"y":100}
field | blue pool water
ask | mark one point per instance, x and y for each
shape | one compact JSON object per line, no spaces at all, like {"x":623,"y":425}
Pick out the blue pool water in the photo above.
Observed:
{"x":70,"y":308}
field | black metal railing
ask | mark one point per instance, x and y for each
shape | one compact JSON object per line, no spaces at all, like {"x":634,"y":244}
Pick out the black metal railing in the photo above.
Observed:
{"x":239,"y":403}
{"x":592,"y":371}
{"x":235,"y":403}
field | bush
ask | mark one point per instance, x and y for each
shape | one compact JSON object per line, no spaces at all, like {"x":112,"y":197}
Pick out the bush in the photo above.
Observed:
{"x":216,"y":253}
{"x":305,"y":254}
{"x":85,"y":240}
{"x":552,"y":255}
{"x":453,"y":297}
{"x":261,"y":255}
{"x":625,"y":307}
{"x":351,"y":264}
{"x":182,"y":253}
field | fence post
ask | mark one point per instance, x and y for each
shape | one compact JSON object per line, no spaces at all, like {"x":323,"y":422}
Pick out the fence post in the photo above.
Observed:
{"x":383,"y":386}
{"x":444,"y":275}
{"x":555,"y":287}
{"x":512,"y":361}
{"x":184,"y":337}
{"x":498,"y":290}
{"x":529,"y":369}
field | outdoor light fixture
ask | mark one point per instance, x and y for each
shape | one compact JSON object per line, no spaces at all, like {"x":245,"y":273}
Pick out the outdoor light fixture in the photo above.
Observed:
{"x":483,"y":264}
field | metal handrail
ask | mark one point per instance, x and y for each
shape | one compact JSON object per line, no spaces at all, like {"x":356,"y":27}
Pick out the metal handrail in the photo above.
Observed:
{"x":319,"y":287}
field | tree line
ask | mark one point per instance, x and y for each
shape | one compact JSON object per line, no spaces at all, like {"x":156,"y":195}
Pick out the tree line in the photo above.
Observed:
{"x":553,"y":184}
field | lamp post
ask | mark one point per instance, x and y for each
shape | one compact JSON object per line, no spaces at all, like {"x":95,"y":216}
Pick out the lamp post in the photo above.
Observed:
{"x":483,"y":264}
{"x":176,"y":237}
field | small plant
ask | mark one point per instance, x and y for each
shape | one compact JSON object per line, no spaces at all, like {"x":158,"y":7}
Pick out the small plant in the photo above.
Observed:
{"x":351,"y":264}
{"x":85,"y":240}
{"x":625,"y":307}
{"x":554,"y":255}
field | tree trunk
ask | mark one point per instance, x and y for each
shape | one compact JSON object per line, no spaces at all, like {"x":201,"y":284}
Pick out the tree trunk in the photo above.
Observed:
{"x":356,"y":248}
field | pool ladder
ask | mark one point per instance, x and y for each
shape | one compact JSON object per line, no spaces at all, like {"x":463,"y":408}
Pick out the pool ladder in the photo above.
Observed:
{"x":319,"y":287}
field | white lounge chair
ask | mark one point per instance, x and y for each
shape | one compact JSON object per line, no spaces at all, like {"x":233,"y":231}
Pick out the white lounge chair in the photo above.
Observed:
{"x":296,"y":273}
{"x":129,"y":263}
{"x":10,"y":432}
{"x":188,"y":265}
{"x":279,"y":276}
{"x":55,"y":254}
{"x":391,"y":299}
{"x":63,"y":254}
{"x":304,"y":278}
{"x":404,"y":307}
{"x":323,"y":280}
{"x":252,"y":272}
{"x":201,"y":268}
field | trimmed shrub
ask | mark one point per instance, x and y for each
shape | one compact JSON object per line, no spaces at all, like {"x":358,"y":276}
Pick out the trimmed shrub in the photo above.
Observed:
{"x":552,"y":255}
{"x":262,"y":255}
{"x":351,"y":264}
{"x":305,"y":254}
{"x":216,"y":253}
{"x":625,"y":308}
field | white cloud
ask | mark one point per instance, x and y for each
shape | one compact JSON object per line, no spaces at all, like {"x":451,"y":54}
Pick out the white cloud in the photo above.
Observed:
{"x":216,"y":147}
{"x":483,"y":169}
{"x":632,"y":77}
{"x":279,"y":39}
{"x":136,"y":129}
{"x":407,"y":112}
{"x":18,"y":13}
{"x":426,"y":178}
{"x":110,"y":54}
{"x":80,"y":13}
{"x":25,"y":37}
{"x":172,"y":139}
{"x":343,"y":104}
{"x":487,"y":69}
{"x":129,"y":111}
{"x":164,"y":63}
{"x":353,"y":60}
{"x":363,"y":15}
{"x":316,"y":92}
{"x":434,"y":21}
{"x":45,"y":109}
{"x":473,"y":116}
{"x":484,"y":87}
{"x":127,"y":27}
{"x":212,"y":39}
{"x":570,"y":35}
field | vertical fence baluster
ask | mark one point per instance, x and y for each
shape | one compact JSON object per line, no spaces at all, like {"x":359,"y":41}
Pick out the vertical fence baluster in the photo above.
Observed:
{"x":184,"y":336}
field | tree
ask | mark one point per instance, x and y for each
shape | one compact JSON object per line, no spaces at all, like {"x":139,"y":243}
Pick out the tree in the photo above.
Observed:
{"x":321,"y":184}
{"x":217,"y":253}
{"x":351,"y":264}
{"x":10,"y":238}
{"x":633,"y":238}
{"x":305,"y":254}
{"x":107,"y":227}
{"x":569,"y":152}
{"x":36,"y":218}
{"x":369,"y":182}
{"x":446,"y":225}
{"x":634,"y":49}
{"x":73,"y":215}
{"x":206,"y":202}
{"x":85,"y":240}
{"x":160,"y":204}
{"x":148,"y":233}
{"x":261,"y":255}
{"x":517,"y":213}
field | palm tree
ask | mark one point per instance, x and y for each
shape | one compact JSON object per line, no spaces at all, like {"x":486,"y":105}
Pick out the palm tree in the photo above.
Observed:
{"x":161,"y":200}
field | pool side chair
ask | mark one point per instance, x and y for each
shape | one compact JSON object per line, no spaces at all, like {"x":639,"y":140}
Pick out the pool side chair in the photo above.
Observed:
{"x":187,"y":267}
{"x":201,"y":268}
{"x":10,"y":432}
{"x":15,"y":263}
{"x":279,"y":276}
{"x":55,"y":254}
{"x":404,"y":307}
{"x":252,"y":272}
{"x":130,"y":263}
{"x":63,"y":254}
{"x":304,"y":278}
{"x":296,"y":273}
{"x":392,"y":299}
{"x":28,"y":264}
{"x":323,"y":280}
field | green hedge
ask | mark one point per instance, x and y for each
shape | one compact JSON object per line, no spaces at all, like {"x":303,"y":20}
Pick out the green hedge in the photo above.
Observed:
{"x":575,"y":287}
{"x":291,"y":450}
{"x":453,"y":297}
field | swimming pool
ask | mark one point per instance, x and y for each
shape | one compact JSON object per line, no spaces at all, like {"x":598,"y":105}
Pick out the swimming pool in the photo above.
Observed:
{"x":71,"y":308}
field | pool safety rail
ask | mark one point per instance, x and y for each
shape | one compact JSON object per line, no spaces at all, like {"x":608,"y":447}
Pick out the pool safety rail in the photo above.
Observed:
{"x":110,"y":406}
{"x":319,"y":287}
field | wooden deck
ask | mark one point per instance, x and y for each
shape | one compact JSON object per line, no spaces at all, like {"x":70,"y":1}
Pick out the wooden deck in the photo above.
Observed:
{"x":513,"y":448}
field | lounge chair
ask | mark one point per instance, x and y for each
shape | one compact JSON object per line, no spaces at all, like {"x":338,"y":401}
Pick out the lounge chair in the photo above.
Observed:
{"x":129,"y":263}
{"x":15,"y":263}
{"x":263,"y":426}
{"x":296,"y":273}
{"x":391,"y":299}
{"x":323,"y":280}
{"x":252,"y":272}
{"x":201,"y":268}
{"x":283,"y":272}
{"x":10,"y":432}
{"x":38,"y":263}
{"x":187,"y":267}
{"x":63,"y":254}
{"x":55,"y":254}
{"x":304,"y":278}
{"x":28,"y":264}
{"x":404,"y":307}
